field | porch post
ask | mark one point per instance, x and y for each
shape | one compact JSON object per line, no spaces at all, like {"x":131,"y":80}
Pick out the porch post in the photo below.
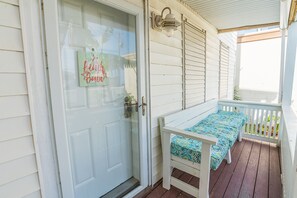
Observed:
{"x":282,"y":65}
{"x":285,"y":5}
{"x":290,"y":64}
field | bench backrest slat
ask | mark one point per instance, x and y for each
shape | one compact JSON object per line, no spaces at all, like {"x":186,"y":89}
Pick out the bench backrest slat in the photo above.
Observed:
{"x":189,"y":117}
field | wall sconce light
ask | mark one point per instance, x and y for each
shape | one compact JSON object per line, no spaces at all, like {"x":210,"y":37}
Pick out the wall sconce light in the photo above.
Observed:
{"x":169,"y":24}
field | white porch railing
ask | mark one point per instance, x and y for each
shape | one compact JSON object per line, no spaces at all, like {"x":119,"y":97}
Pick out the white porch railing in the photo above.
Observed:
{"x":288,"y":152}
{"x":263,"y":119}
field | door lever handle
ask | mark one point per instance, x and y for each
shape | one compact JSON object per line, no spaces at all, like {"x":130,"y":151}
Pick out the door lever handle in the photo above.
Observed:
{"x":143,"y":105}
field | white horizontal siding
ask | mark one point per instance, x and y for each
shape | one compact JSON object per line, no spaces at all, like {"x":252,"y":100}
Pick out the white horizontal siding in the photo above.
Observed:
{"x":9,"y":15}
{"x":36,"y":194}
{"x":166,"y":82}
{"x":12,"y":62}
{"x":14,"y":106}
{"x":166,"y":71}
{"x":12,"y":2}
{"x":18,"y":167}
{"x":11,"y":130}
{"x":11,"y":39}
{"x":17,"y":86}
{"x":21,"y":187}
{"x":16,"y":148}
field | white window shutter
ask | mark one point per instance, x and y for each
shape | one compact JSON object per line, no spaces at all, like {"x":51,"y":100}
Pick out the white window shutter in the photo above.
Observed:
{"x":194,"y":65}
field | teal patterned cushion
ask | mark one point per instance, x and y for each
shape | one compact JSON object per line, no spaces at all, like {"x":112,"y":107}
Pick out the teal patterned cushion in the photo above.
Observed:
{"x":222,"y":125}
{"x":190,"y":149}
{"x":218,"y":131}
{"x":228,"y":119}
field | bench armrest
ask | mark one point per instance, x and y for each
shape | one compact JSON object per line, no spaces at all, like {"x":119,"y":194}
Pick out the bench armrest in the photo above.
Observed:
{"x":188,"y":134}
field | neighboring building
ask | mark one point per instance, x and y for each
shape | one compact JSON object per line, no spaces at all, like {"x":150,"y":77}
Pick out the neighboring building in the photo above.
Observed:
{"x":258,"y":65}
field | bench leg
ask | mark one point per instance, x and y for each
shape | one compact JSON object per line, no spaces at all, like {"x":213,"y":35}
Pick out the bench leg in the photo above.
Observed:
{"x":228,"y":157}
{"x":205,"y":171}
{"x":240,"y":133}
{"x":166,"y":161}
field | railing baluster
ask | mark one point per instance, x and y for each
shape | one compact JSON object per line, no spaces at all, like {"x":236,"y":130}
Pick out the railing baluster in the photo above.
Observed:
{"x":261,"y":123}
{"x":257,"y":122}
{"x":265,"y":123}
{"x":275,"y":124}
{"x":249,"y":120}
{"x":280,"y":125}
{"x":270,"y":124}
{"x":253,"y":121}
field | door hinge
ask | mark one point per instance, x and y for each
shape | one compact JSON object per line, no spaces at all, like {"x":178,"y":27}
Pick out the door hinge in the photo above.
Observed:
{"x":45,"y":61}
{"x":42,"y":5}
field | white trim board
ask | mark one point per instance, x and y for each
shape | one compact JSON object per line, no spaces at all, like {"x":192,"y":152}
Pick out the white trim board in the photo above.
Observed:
{"x":36,"y":82}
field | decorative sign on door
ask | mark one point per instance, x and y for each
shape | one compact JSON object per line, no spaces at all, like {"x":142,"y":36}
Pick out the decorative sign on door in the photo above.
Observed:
{"x":92,"y":68}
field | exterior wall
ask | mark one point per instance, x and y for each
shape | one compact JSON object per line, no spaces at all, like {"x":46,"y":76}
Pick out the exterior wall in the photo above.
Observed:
{"x":166,"y":70}
{"x":18,"y":163}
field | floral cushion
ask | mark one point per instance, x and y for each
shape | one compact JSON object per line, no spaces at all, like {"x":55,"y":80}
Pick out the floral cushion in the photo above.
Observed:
{"x":222,"y":125}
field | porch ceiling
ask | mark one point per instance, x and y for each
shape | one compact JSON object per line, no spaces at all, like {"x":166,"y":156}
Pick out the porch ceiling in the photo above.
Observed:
{"x":229,"y":14}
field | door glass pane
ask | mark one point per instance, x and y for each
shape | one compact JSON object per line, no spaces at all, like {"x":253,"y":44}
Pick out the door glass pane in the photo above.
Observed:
{"x":98,"y":60}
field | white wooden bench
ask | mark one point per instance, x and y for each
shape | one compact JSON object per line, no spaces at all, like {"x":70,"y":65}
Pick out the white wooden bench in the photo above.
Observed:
{"x":174,"y":124}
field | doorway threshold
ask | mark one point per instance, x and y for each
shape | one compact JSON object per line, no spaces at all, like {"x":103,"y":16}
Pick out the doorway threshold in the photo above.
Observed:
{"x":123,"y":189}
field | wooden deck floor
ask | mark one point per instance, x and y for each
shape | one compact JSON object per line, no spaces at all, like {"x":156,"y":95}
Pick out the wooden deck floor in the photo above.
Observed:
{"x":254,"y":172}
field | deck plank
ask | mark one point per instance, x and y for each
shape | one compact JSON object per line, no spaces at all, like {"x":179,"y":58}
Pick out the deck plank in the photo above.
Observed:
{"x":223,"y":181}
{"x":275,"y":189}
{"x":159,"y":191}
{"x":185,"y":178}
{"x":261,"y":187}
{"x":248,"y":184}
{"x":234,"y":185}
{"x":214,"y":175}
{"x":194,"y":181}
{"x":258,"y":176}
{"x":174,"y":192}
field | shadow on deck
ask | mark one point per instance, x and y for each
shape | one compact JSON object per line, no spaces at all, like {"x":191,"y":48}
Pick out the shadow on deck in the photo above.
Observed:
{"x":254,"y":172}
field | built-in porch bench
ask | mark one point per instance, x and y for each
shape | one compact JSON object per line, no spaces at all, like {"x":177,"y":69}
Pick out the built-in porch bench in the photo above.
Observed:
{"x":196,"y":140}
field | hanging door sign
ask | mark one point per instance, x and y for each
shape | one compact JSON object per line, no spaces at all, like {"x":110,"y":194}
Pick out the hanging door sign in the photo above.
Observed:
{"x":92,"y":68}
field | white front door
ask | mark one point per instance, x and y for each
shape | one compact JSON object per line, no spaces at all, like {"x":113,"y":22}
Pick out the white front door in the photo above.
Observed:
{"x":96,"y":90}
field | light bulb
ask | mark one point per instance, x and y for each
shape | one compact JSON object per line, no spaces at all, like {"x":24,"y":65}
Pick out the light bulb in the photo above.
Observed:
{"x":169,"y":31}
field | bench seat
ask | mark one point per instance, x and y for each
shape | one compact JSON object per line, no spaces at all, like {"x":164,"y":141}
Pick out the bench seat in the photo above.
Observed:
{"x":190,"y":149}
{"x":223,"y":125}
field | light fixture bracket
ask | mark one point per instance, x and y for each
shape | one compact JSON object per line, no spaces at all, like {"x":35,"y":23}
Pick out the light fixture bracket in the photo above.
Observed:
{"x":156,"y":21}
